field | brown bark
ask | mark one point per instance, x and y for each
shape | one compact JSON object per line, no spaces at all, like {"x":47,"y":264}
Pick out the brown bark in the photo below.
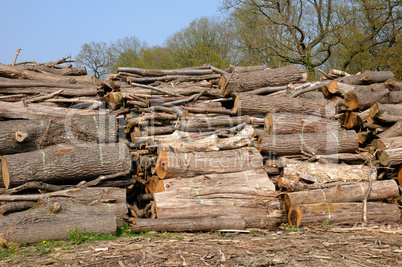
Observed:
{"x":364,"y":96}
{"x":384,"y":111}
{"x":66,"y":164}
{"x":262,"y":105}
{"x":395,"y":130}
{"x":356,"y":192}
{"x":315,"y":143}
{"x":167,"y":78}
{"x":338,"y":88}
{"x":391,"y":156}
{"x":240,"y":69}
{"x":395,"y":97}
{"x":180,"y":225}
{"x":170,"y":164}
{"x":247,"y":81}
{"x":15,"y":73}
{"x":387,"y":143}
{"x":393,"y":85}
{"x":184,"y":91}
{"x":290,"y":123}
{"x":150,"y":72}
{"x":37,"y":90}
{"x":74,"y":71}
{"x":367,"y":77}
{"x":324,"y":173}
{"x":18,"y":136}
{"x":59,"y":229}
{"x":16,"y":206}
{"x":344,"y":213}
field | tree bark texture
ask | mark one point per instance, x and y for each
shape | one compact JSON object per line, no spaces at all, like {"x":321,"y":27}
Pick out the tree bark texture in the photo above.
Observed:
{"x":66,"y":164}
{"x":17,"y":136}
{"x":262,"y":105}
{"x":248,"y":81}
{"x":356,"y":192}
{"x":367,"y":77}
{"x":315,"y":143}
{"x":173,"y":165}
{"x":291,"y":123}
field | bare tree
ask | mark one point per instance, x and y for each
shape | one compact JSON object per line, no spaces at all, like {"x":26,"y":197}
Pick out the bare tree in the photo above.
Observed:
{"x":97,"y":57}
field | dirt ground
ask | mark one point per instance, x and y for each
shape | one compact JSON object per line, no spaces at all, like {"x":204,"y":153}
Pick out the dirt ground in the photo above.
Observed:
{"x":373,"y":245}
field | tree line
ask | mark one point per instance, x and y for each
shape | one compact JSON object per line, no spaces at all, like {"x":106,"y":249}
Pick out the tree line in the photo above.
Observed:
{"x":351,"y":35}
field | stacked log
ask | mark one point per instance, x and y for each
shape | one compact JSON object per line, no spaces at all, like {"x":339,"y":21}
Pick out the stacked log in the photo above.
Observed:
{"x":52,"y":157}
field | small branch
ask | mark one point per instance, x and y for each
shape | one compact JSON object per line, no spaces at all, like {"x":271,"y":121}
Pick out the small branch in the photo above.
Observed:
{"x":16,"y":55}
{"x":155,"y":89}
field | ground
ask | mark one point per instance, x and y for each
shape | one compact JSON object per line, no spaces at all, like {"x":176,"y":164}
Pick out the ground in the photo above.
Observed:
{"x":321,"y":245}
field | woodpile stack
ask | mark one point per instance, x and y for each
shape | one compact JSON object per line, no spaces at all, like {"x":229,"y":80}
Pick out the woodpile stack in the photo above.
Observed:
{"x":58,"y":160}
{"x":197,"y":149}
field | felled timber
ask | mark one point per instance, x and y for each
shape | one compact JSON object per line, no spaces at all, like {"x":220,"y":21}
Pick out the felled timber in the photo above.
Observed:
{"x":240,"y":69}
{"x":386,"y":112}
{"x":320,"y":173}
{"x":262,"y":105}
{"x":73,"y":71}
{"x":59,"y":229}
{"x":90,"y":91}
{"x":17,"y":136}
{"x":364,"y":96}
{"x":315,"y":143}
{"x":355,"y":192}
{"x":170,"y":164}
{"x":395,"y":130}
{"x":65,"y":164}
{"x":387,"y":143}
{"x":367,"y":77}
{"x":247,"y":81}
{"x":391,"y":156}
{"x":180,"y":225}
{"x":393,"y":85}
{"x":291,"y":123}
{"x":152,"y":72}
{"x":343,"y":213}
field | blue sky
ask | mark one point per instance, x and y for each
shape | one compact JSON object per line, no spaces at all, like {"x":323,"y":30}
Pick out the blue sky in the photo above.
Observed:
{"x":48,"y":30}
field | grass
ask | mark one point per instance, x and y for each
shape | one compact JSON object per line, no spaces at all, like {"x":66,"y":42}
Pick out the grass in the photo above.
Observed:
{"x":289,"y":227}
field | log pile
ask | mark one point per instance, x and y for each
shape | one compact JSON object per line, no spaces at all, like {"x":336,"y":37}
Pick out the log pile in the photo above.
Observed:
{"x":197,"y":149}
{"x":61,"y":165}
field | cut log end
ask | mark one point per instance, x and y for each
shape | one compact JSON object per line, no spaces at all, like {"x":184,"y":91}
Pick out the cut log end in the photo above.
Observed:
{"x":222,"y":85}
{"x":235,"y":108}
{"x":268,"y":124}
{"x":333,"y":87}
{"x":20,"y":136}
{"x":295,"y":216}
{"x":400,"y":175}
{"x":5,"y":173}
{"x":161,"y":165}
{"x":351,"y":100}
{"x":374,"y":109}
{"x":288,"y":203}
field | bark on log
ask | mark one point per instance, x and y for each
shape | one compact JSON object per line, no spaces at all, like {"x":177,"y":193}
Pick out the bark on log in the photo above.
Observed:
{"x":393,"y":85}
{"x":367,"y":77}
{"x":184,"y":91}
{"x":343,"y":213}
{"x":240,"y":69}
{"x":249,"y":195}
{"x":387,"y":143}
{"x":247,"y":81}
{"x":170,"y":164}
{"x":314,"y":143}
{"x":290,"y":123}
{"x":15,"y":73}
{"x":58,"y":229}
{"x":17,"y":206}
{"x":391,"y":157}
{"x":356,"y":192}
{"x":324,"y":173}
{"x":37,"y":90}
{"x":18,"y":136}
{"x":262,"y":105}
{"x":395,"y":97}
{"x":382,"y":111}
{"x":364,"y":96}
{"x":150,"y":72}
{"x":393,"y":131}
{"x":63,"y":164}
{"x":180,"y":225}
{"x":75,"y":71}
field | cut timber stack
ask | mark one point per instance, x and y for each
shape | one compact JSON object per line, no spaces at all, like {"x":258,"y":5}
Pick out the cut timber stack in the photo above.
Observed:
{"x":52,"y":155}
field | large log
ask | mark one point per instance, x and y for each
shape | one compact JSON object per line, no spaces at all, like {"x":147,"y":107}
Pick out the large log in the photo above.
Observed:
{"x":248,"y":194}
{"x":319,"y":173}
{"x":180,"y":225}
{"x":59,"y":229}
{"x":152,"y":72}
{"x":386,"y":112}
{"x":170,"y":164}
{"x":393,"y":131}
{"x":290,"y":123}
{"x":315,"y":143}
{"x":364,"y":96}
{"x":66,"y":164}
{"x":393,"y":85}
{"x":247,"y":81}
{"x":355,"y":192}
{"x":387,"y":143}
{"x":367,"y":77}
{"x":15,"y":73}
{"x":391,"y":156}
{"x":74,"y":71}
{"x":89,"y":91}
{"x":262,"y":105}
{"x":17,"y":136}
{"x":185,"y":91}
{"x":343,"y":213}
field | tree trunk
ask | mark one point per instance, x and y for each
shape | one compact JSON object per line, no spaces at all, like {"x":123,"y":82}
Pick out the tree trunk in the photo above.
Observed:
{"x":315,"y":143}
{"x":248,"y":81}
{"x":393,"y":85}
{"x":15,"y":73}
{"x":18,"y":136}
{"x":184,"y":91}
{"x":149,"y":72}
{"x":75,"y":71}
{"x":356,"y":192}
{"x":62,"y":164}
{"x":290,"y":123}
{"x":367,"y":77}
{"x":384,"y":111}
{"x":325,"y":173}
{"x":387,"y":143}
{"x":170,"y":164}
{"x":16,"y":206}
{"x":364,"y":96}
{"x":59,"y":229}
{"x":182,"y":225}
{"x":262,"y":105}
{"x":343,"y":213}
